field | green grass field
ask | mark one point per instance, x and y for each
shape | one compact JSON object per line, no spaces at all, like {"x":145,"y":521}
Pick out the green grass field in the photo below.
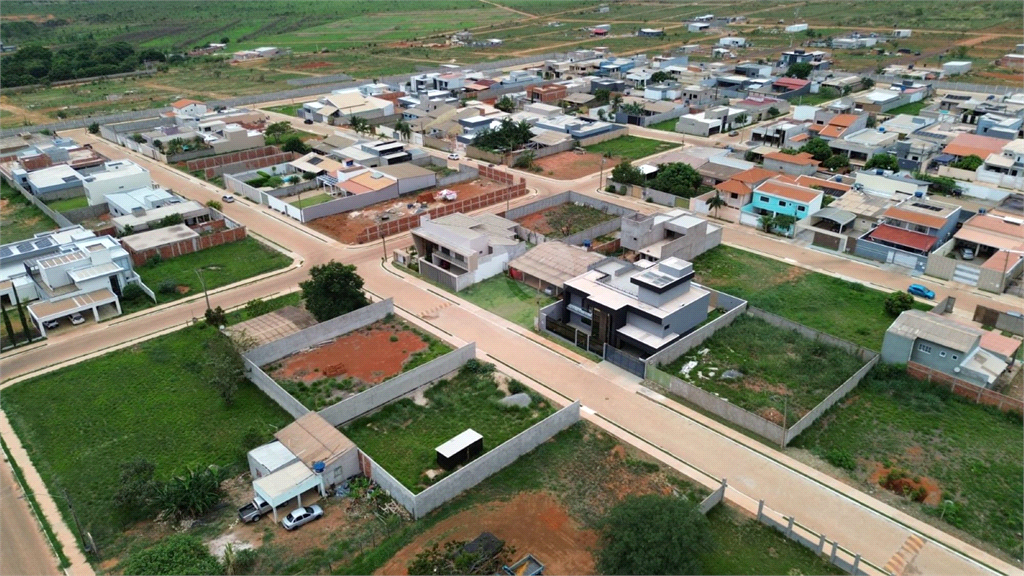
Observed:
{"x":972,"y":452}
{"x":513,"y":301}
{"x":666,"y":125}
{"x":220,"y":266}
{"x":781,"y":369}
{"x":148,"y":401}
{"x":290,"y":109}
{"x":312,"y":200}
{"x":913,"y":108}
{"x":843,"y":309}
{"x":68,"y":204}
{"x":631,"y":147}
{"x":402,"y":436}
{"x":19,"y":219}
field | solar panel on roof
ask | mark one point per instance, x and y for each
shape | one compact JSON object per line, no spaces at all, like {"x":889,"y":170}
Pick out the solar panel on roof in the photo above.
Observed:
{"x":5,"y":252}
{"x":44,"y":243}
{"x":24,"y":247}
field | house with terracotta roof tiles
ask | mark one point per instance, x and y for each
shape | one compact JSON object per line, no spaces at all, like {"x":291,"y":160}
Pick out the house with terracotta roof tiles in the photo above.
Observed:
{"x":781,"y":197}
{"x":839,"y":126}
{"x":792,"y":164}
{"x":909,"y":231}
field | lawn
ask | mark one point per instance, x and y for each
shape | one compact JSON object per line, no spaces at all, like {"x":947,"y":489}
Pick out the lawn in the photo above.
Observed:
{"x":148,"y":401}
{"x":781,"y":370}
{"x":68,"y":204}
{"x":289,"y":109}
{"x":843,"y":309}
{"x":513,"y":301}
{"x":815,"y":99}
{"x":312,"y":200}
{"x":912,"y":108}
{"x":631,"y":147}
{"x":220,"y":265}
{"x":19,"y":219}
{"x":666,"y":125}
{"x":403,"y":435}
{"x":269,"y":305}
{"x":971,"y":452}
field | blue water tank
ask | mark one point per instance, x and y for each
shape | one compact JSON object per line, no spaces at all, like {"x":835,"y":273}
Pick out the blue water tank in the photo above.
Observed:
{"x":318,"y":467}
{"x":586,"y":243}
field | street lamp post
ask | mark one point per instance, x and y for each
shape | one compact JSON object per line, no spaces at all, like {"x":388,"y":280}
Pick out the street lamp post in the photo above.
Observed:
{"x":205,"y":293}
{"x":602,"y":173}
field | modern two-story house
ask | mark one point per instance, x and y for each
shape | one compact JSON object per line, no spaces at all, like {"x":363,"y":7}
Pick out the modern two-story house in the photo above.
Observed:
{"x":776,"y":197}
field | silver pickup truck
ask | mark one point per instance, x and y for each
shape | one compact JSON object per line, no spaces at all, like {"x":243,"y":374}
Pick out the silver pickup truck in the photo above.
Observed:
{"x":252,"y":511}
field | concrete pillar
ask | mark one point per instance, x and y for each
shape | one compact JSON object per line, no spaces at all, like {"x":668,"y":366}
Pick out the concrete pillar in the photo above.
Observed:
{"x":832,"y":556}
{"x":821,"y":544}
{"x":274,"y":508}
{"x":118,"y":304}
{"x":789,"y":528}
{"x":96,"y":313}
{"x":856,"y":563}
{"x":760,"y":509}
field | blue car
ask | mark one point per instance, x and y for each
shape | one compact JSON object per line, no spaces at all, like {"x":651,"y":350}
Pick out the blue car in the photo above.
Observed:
{"x":919,"y":290}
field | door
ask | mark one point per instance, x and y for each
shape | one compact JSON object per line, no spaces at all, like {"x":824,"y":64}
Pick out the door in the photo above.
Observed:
{"x":601,"y":325}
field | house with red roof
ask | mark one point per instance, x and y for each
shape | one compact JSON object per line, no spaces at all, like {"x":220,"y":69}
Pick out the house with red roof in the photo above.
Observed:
{"x":781,"y":197}
{"x":790,"y":87}
{"x":186,"y":108}
{"x":792,"y":164}
{"x":909,"y":231}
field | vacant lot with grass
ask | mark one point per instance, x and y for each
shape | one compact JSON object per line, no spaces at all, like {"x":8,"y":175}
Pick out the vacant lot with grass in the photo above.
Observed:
{"x":913,"y":108}
{"x":151,"y":401}
{"x":564,"y":220}
{"x":778,"y":369}
{"x":843,"y":309}
{"x":19,"y":219}
{"x":513,"y":301}
{"x":68,"y":204}
{"x":354,"y":362}
{"x":402,"y":436}
{"x":968,"y":454}
{"x":631,"y":147}
{"x":221,"y":265}
{"x":666,"y":125}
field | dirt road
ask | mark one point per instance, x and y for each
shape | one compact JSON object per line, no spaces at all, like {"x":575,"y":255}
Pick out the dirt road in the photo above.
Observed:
{"x":23,"y":550}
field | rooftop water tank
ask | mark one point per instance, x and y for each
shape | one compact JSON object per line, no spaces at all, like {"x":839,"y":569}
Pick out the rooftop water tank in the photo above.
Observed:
{"x":318,"y":467}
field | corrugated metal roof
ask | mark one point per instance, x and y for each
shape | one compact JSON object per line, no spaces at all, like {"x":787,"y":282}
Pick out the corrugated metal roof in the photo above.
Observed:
{"x":555,"y":262}
{"x":313,"y":439}
{"x":914,"y":324}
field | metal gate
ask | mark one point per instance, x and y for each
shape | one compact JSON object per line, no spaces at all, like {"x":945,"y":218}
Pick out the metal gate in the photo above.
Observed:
{"x":630,"y":364}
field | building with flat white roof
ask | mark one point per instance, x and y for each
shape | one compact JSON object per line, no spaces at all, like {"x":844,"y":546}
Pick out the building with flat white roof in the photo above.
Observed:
{"x":117,"y":176}
{"x":53,"y":179}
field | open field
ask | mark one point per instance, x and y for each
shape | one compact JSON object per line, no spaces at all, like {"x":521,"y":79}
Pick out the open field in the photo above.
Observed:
{"x":564,"y":220}
{"x":966,"y":454}
{"x":513,"y":301}
{"x":843,"y":309}
{"x":68,"y":204}
{"x":349,"y":364}
{"x":779,"y":369}
{"x":630,"y":148}
{"x":402,"y":436}
{"x":220,"y":265}
{"x":148,"y":401}
{"x":19,"y":219}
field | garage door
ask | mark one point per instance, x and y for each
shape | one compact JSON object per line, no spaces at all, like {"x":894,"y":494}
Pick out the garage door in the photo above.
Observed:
{"x":904,"y":260}
{"x":826,"y":241}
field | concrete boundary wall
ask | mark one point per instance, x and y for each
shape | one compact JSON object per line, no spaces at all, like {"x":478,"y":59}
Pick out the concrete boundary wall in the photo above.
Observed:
{"x":57,"y":217}
{"x":734,"y":307}
{"x":321,"y":332}
{"x":823,"y":406}
{"x":810,"y":333}
{"x":389,"y":483}
{"x":286,"y":401}
{"x":612,"y":135}
{"x":567,"y":197}
{"x":966,"y":389}
{"x":713,"y":499}
{"x":465,"y":173}
{"x":347,"y":203}
{"x":837,"y":555}
{"x":368,"y":400}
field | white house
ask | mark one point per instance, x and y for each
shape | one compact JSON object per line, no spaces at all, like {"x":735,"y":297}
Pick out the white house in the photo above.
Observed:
{"x":712,"y":121}
{"x":186,"y":108}
{"x":956,"y":67}
{"x":732,"y":42}
{"x":902,"y":33}
{"x":117,"y":176}
{"x":796,"y":28}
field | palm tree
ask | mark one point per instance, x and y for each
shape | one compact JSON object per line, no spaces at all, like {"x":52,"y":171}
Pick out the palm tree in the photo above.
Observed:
{"x":403,"y":129}
{"x":360,"y":125}
{"x":766,"y":221}
{"x":616,"y":103}
{"x":716,"y":202}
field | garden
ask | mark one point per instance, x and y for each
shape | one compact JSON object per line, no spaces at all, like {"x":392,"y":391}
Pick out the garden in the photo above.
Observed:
{"x":765,"y":369}
{"x":512,"y":300}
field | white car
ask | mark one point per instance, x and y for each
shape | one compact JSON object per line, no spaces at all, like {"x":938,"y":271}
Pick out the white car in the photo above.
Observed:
{"x":453,"y":156}
{"x":77,"y":319}
{"x":301,"y":516}
{"x":228,"y":198}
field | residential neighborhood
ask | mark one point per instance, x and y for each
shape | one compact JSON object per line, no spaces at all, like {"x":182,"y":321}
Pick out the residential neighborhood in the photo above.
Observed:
{"x":463,"y":287}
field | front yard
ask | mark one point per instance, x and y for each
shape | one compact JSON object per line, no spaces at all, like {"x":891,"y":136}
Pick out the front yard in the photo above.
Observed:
{"x":631,"y":147}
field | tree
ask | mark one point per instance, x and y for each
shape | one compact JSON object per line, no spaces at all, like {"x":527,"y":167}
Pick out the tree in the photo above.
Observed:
{"x":8,"y":327}
{"x":871,"y":122}
{"x":506,"y":104}
{"x":716,"y":202}
{"x":295,"y":144}
{"x":784,"y":223}
{"x":867,"y":83}
{"x":818,"y":148}
{"x":766,"y":221}
{"x":971,"y":163}
{"x":277,"y":130}
{"x":626,"y":173}
{"x":216,"y":317}
{"x":225,"y":40}
{"x":404,"y":129}
{"x":773,"y":112}
{"x":176,"y":554}
{"x":653,"y":534}
{"x":659,"y":76}
{"x":94,"y":128}
{"x":959,"y":52}
{"x":826,"y":200}
{"x":21,"y":315}
{"x":333,"y":289}
{"x":883,"y":161}
{"x":170,"y":220}
{"x":359,"y":124}
{"x":740,"y":120}
{"x":678,"y":178}
{"x":453,"y":559}
{"x":799,"y":70}
{"x":225,"y":367}
{"x":601,"y":96}
{"x":136,"y":488}
{"x":525,"y":160}
{"x":509,"y":136}
{"x":632,"y":109}
{"x":836,"y":162}
{"x":898,"y":302}
{"x":139,"y":138}
{"x":616,"y":102}
{"x":940,"y":184}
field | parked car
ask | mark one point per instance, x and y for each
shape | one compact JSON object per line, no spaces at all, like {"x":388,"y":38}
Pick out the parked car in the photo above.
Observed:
{"x":301,"y":516}
{"x":919,"y":290}
{"x":51,"y":324}
{"x":228,"y":198}
{"x":734,"y":133}
{"x":967,"y":253}
{"x":77,"y":319}
{"x":252,"y":511}
{"x":307,"y":121}
{"x":453,"y":156}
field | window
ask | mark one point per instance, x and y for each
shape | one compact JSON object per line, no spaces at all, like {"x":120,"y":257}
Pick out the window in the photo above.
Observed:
{"x":955,"y":357}
{"x":924,"y":348}
{"x":800,"y":208}
{"x":734,"y":195}
{"x":942,"y":354}
{"x":764,"y":198}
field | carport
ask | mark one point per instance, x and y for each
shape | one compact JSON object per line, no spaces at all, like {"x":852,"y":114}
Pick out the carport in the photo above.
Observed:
{"x":289,"y":482}
{"x":54,"y":310}
{"x":839,"y":217}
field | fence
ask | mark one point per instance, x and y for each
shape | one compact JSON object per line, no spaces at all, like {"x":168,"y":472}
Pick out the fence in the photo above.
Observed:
{"x":734,"y":307}
{"x":187,"y":246}
{"x":402,"y":384}
{"x":274,"y":390}
{"x":611,"y":135}
{"x":837,"y":555}
{"x":963,"y":388}
{"x":465,"y":174}
{"x":310,"y":81}
{"x":713,"y":499}
{"x":564,"y":198}
{"x":57,"y":217}
{"x":830,"y":400}
{"x":627,"y":362}
{"x":212,"y":163}
{"x":945,"y":85}
{"x":84,"y":213}
{"x":859,"y":351}
{"x":1012,"y":323}
{"x":442,"y":277}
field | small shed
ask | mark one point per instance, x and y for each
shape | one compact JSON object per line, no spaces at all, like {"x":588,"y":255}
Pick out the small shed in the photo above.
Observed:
{"x":460,"y":449}
{"x":313,"y":440}
{"x":269,"y":458}
{"x":289,"y":482}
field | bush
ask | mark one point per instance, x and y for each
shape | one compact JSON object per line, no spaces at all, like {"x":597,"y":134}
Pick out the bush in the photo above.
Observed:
{"x":653,"y":535}
{"x":216,"y":205}
{"x":841,"y":459}
{"x":474,"y":366}
{"x":216,"y":317}
{"x":132,"y":292}
{"x":192,"y":494}
{"x":167,"y":287}
{"x":610,"y":188}
{"x":516,"y":387}
{"x":177,"y":554}
{"x":257,"y":307}
{"x":898,"y":302}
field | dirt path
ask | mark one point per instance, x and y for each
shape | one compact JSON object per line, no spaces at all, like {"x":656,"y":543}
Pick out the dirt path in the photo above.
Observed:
{"x":512,"y":10}
{"x":22,"y":114}
{"x":187,"y":91}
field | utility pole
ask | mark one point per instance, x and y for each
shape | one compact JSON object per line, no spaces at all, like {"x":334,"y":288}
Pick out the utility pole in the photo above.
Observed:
{"x":384,"y":243}
{"x":74,"y":515}
{"x":205,"y":293}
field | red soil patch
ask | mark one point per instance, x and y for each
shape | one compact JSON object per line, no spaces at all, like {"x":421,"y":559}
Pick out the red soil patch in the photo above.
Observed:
{"x":535,"y":523}
{"x":347,"y":226}
{"x":570,"y":165}
{"x":907,"y":485}
{"x":1001,"y":76}
{"x":313,"y":65}
{"x":368,"y":355}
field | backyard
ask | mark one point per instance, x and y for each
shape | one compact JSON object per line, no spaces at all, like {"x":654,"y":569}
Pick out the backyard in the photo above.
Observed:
{"x":354,"y":362}
{"x":67,"y":204}
{"x":177,"y":278}
{"x":151,"y":400}
{"x":913,"y":108}
{"x":630,"y":148}
{"x":843,"y":309}
{"x":965,"y":456}
{"x":312,"y":200}
{"x":564,"y":220}
{"x":19,"y":219}
{"x":402,"y":436}
{"x":513,"y":301}
{"x":765,"y":369}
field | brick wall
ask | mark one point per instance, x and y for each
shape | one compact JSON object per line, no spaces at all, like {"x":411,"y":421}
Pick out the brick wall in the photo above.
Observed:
{"x":966,"y":389}
{"x":36,"y":162}
{"x":183,"y":247}
{"x":407,"y":223}
{"x":247,"y":160}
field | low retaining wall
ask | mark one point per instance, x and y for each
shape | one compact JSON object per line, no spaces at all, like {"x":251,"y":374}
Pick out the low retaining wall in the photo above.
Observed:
{"x":963,"y":388}
{"x":368,"y":400}
{"x":617,"y":132}
{"x":189,"y":246}
{"x":79,"y":215}
{"x":830,"y":400}
{"x":846,"y":560}
{"x":321,"y":332}
{"x":257,"y":376}
{"x":57,"y":217}
{"x":347,"y":204}
{"x":713,"y":499}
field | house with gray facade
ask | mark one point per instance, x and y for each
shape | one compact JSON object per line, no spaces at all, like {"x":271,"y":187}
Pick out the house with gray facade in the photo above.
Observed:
{"x":664,"y":235}
{"x":460,"y":250}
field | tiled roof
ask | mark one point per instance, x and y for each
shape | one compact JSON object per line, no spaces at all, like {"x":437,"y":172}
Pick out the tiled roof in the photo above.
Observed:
{"x":789,"y":191}
{"x":802,"y":159}
{"x":902,"y":237}
{"x":968,"y":144}
{"x":733,"y":187}
{"x":915,"y":217}
{"x":754,"y":175}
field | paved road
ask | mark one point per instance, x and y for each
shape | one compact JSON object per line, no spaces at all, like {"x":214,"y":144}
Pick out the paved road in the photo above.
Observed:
{"x":23,"y":549}
{"x":754,"y":471}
